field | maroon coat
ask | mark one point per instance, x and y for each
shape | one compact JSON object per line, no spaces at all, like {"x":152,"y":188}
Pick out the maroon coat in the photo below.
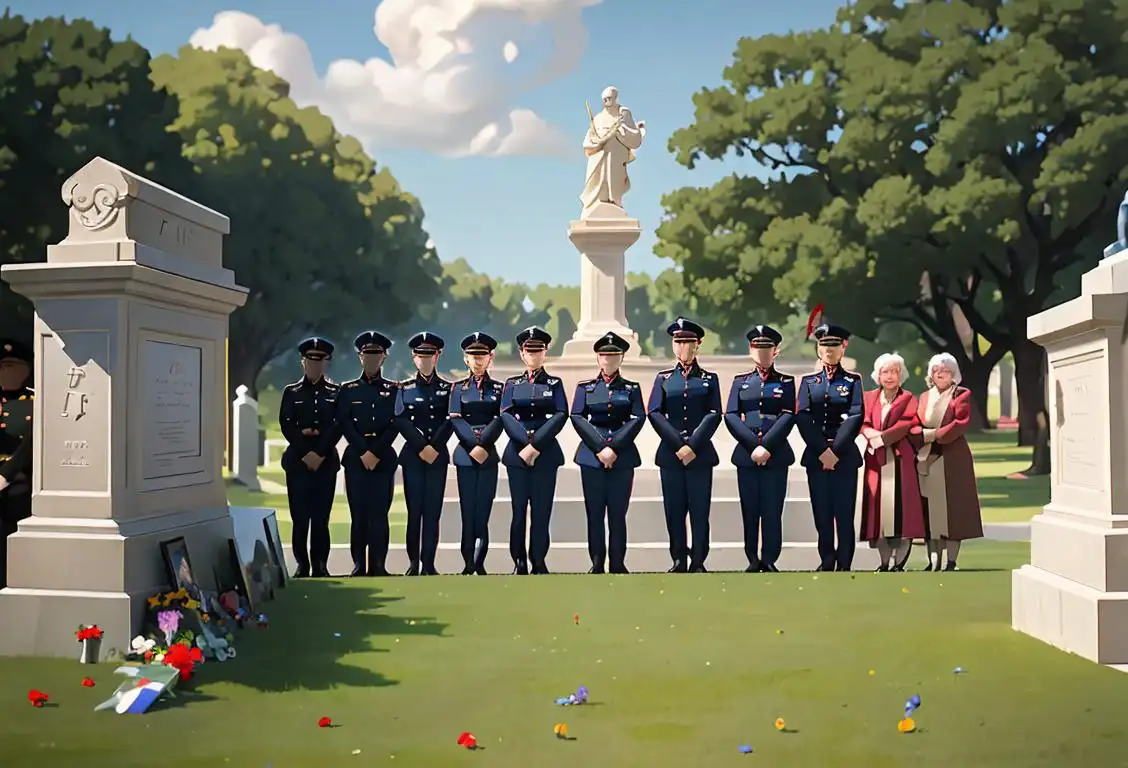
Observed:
{"x":908,"y":514}
{"x":965,"y":519}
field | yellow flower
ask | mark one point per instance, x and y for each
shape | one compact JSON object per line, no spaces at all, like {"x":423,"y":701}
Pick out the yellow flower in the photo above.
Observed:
{"x":560,"y":729}
{"x":907,"y":725}
{"x":191,"y":604}
{"x":154,"y":601}
{"x":181,"y":593}
{"x":779,"y":724}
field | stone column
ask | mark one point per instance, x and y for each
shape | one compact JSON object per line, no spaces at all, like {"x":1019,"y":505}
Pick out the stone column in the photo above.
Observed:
{"x":131,"y":321}
{"x":1006,"y":390}
{"x":245,"y":441}
{"x":1074,"y":594}
{"x":602,"y":237}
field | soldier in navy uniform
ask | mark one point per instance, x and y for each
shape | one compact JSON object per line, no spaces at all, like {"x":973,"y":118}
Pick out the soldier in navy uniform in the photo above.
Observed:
{"x":685,"y":409}
{"x":475,"y":416}
{"x":829,"y":416}
{"x":366,"y":411}
{"x":608,"y":414}
{"x":760,"y":414}
{"x":308,"y":419}
{"x":17,"y":400}
{"x":534,"y":409}
{"x":421,"y":415}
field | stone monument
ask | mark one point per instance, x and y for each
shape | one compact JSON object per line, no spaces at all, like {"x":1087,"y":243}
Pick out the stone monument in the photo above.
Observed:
{"x":1074,"y":593}
{"x":245,"y":439}
{"x":604,"y":231}
{"x":131,"y":320}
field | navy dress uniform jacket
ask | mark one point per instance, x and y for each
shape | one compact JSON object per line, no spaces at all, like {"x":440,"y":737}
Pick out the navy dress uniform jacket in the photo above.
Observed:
{"x":366,"y":410}
{"x":533,"y":413}
{"x":608,"y":414}
{"x":421,"y":410}
{"x":761,"y":413}
{"x":829,"y":415}
{"x":685,"y":409}
{"x":475,"y":412}
{"x":306,"y":405}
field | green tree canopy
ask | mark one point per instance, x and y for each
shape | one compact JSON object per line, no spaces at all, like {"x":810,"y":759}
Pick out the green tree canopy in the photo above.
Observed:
{"x":948,"y":165}
{"x":325,"y":242}
{"x":70,"y":94}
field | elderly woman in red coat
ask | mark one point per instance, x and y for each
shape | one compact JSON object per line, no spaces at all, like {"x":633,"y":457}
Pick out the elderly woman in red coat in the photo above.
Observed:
{"x":891,"y":505}
{"x":945,"y":464}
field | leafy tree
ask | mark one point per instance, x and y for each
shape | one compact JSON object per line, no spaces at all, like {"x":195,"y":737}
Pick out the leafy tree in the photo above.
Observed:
{"x":936,"y":164}
{"x":652,"y":303}
{"x":318,"y":234}
{"x":70,"y":93}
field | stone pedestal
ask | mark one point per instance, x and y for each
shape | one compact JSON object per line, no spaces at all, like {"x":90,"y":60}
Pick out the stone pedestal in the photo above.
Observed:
{"x":130,"y":330}
{"x":602,"y":237}
{"x":1074,"y":594}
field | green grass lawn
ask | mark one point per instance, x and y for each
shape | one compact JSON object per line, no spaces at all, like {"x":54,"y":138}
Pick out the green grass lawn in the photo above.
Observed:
{"x":1003,"y":500}
{"x":682,"y":670}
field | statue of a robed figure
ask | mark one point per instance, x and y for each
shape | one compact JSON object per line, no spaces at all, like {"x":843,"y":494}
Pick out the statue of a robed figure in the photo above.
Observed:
{"x":610,"y":142}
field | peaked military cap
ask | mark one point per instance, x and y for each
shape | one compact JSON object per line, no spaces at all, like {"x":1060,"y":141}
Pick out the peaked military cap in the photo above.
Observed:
{"x":372,"y":341}
{"x":764,"y":336}
{"x":685,"y":329}
{"x":10,"y":349}
{"x":479,"y":342}
{"x":611,"y":343}
{"x":831,"y":335}
{"x":316,"y":348}
{"x":534,"y":338}
{"x":426,"y":343}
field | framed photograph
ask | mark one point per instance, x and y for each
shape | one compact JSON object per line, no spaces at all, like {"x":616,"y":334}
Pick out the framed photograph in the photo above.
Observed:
{"x":274,"y":540}
{"x":253,"y":545}
{"x":175,"y":553}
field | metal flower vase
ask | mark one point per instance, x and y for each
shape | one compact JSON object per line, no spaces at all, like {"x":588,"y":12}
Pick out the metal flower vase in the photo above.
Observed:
{"x":91,"y":650}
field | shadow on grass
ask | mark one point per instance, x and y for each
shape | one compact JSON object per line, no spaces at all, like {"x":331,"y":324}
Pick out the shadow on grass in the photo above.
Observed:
{"x":313,"y":625}
{"x":1000,"y":492}
{"x":976,"y":556}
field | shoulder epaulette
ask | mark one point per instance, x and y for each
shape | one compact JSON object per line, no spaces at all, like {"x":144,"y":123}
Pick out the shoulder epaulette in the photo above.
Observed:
{"x":586,"y":382}
{"x":518,"y":377}
{"x":405,"y":382}
{"x":294,"y":386}
{"x":666,"y":371}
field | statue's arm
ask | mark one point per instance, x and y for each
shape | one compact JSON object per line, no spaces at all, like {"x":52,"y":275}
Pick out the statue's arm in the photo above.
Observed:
{"x":592,"y":144}
{"x":629,"y":133}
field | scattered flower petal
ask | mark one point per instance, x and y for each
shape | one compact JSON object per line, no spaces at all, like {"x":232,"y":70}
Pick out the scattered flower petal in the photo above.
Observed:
{"x":904,"y":590}
{"x":576,"y":619}
{"x":37,"y":698}
{"x":872,"y":672}
{"x":745,"y":749}
{"x":780,"y":724}
{"x":906,"y":725}
{"x":324,"y":722}
{"x":87,"y":682}
{"x":915,"y":701}
{"x":561,"y":730}
{"x":467,"y":740}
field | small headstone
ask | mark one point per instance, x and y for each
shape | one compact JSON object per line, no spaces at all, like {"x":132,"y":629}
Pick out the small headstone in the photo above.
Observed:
{"x":245,"y":442}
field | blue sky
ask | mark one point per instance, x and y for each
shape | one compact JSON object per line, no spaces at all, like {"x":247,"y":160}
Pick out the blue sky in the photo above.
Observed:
{"x":508,"y":215}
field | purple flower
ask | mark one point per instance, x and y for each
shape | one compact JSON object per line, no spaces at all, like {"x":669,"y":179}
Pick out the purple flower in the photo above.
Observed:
{"x":169,"y":622}
{"x":582,"y":694}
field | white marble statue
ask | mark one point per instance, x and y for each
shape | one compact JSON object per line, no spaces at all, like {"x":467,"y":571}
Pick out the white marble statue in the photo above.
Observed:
{"x":609,"y":145}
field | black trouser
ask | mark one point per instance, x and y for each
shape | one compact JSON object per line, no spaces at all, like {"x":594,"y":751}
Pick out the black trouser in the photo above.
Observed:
{"x":689,"y":491}
{"x":311,"y":500}
{"x":833,"y":496}
{"x":477,"y":487}
{"x":607,"y":494}
{"x":370,"y":495}
{"x":423,"y":488}
{"x":531,"y":490}
{"x":763,"y":491}
{"x":12,"y":510}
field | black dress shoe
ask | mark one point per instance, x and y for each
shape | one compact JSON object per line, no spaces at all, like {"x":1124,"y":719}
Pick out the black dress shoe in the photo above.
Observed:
{"x":540,"y":569}
{"x":520,"y":568}
{"x":358,"y":570}
{"x":824,"y":568}
{"x":429,"y":570}
{"x":768,"y":568}
{"x":883,"y":568}
{"x":928,"y":567}
{"x":321,"y":572}
{"x":697,"y":569}
{"x":753,"y":569}
{"x":378,"y":573}
{"x":678,"y":567}
{"x":412,"y":570}
{"x":468,"y":571}
{"x":480,"y":570}
{"x":951,"y":566}
{"x":302,"y":572}
{"x":598,"y":569}
{"x":619,"y":569}
{"x":899,"y":568}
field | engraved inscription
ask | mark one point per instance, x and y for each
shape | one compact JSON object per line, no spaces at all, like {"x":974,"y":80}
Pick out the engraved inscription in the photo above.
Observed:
{"x":171,"y":382}
{"x":74,"y":399}
{"x":75,"y":451}
{"x":1078,"y":439}
{"x":179,"y":232}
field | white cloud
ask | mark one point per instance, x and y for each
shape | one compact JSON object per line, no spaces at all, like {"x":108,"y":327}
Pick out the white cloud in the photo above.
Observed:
{"x":452,"y":86}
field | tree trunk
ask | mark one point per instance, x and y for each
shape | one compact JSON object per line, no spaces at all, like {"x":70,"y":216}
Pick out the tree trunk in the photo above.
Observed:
{"x":1030,"y":379}
{"x":976,"y":374}
{"x":1040,"y":461}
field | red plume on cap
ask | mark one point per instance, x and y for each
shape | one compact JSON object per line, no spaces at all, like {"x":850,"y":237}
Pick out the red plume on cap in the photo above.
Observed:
{"x":814,"y":320}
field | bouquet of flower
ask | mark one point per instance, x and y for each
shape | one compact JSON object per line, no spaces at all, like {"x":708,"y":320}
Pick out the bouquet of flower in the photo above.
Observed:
{"x":89,"y":633}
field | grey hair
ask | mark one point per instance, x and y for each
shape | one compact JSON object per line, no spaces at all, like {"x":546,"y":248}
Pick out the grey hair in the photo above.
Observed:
{"x":886,"y":360}
{"x":945,"y":360}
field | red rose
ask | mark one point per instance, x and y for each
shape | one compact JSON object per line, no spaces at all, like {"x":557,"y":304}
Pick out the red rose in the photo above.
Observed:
{"x":37,"y":698}
{"x":324,"y":722}
{"x":87,"y":682}
{"x":467,"y":739}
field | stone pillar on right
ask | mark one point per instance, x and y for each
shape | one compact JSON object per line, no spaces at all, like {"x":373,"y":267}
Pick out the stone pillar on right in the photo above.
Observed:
{"x":1074,"y":593}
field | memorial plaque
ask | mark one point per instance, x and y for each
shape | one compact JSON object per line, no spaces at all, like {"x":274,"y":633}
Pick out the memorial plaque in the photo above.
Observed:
{"x":76,"y":412}
{"x":1080,"y":436}
{"x":170,"y":387}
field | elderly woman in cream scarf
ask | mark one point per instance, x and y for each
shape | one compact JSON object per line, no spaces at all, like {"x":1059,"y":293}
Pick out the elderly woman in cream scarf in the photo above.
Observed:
{"x":945,"y":464}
